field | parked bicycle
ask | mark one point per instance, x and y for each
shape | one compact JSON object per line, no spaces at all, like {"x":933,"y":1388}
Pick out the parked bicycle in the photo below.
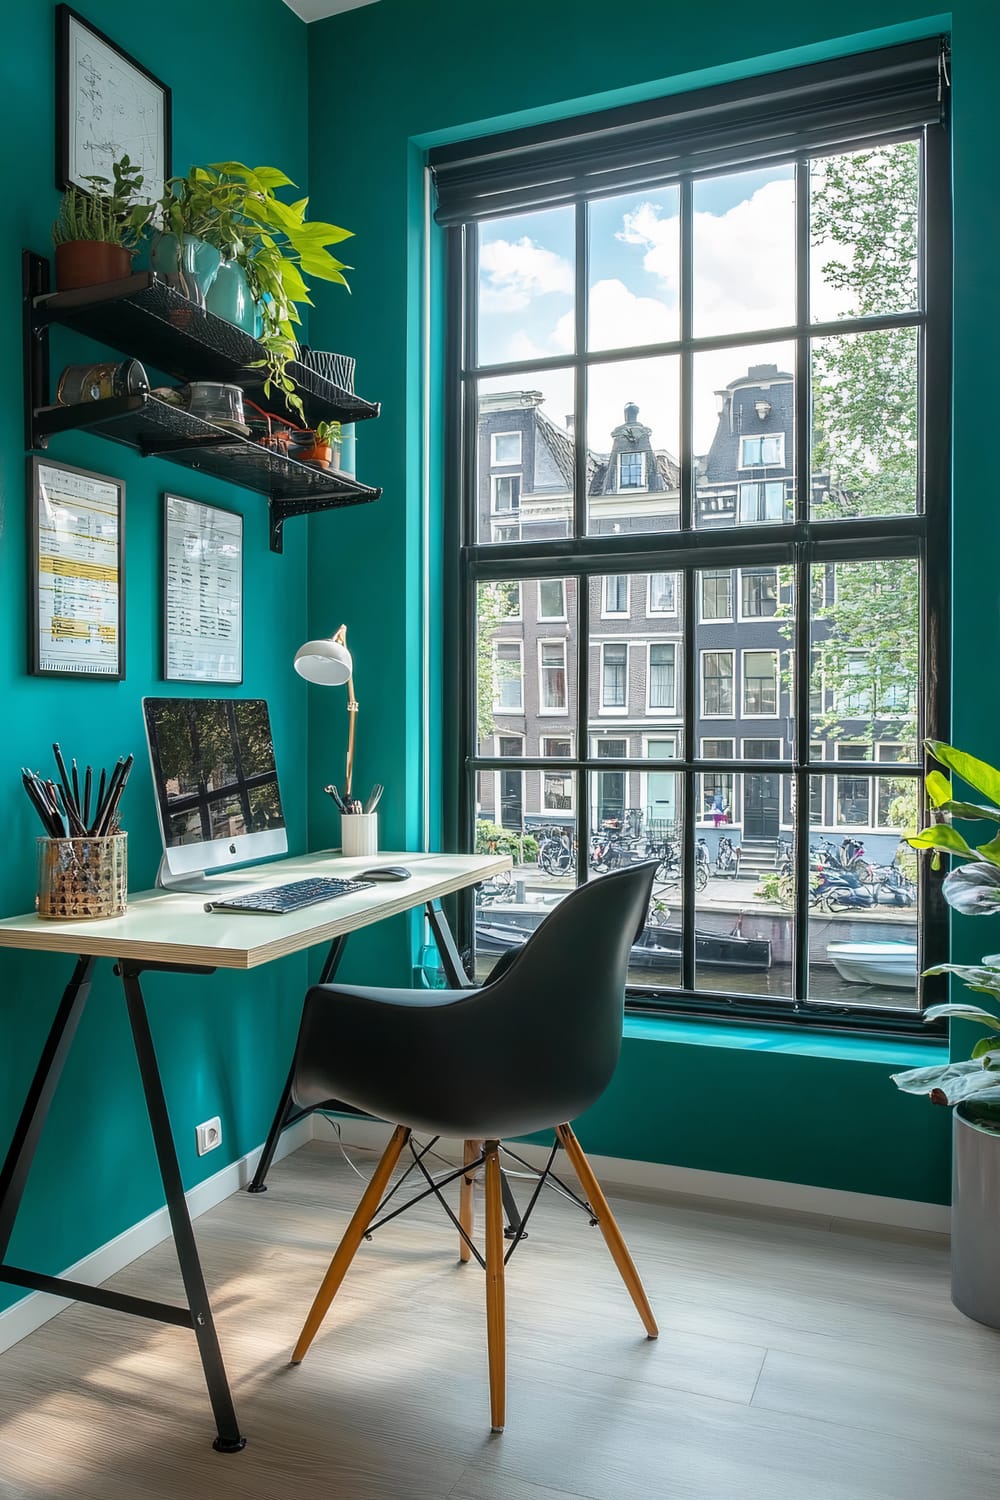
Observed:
{"x":499,"y":887}
{"x":556,"y":850}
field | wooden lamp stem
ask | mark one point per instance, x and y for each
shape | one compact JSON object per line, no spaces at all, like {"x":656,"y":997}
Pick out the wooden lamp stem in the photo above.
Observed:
{"x":352,"y":710}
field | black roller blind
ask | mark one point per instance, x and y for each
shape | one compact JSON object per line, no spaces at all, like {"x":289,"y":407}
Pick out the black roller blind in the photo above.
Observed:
{"x":839,"y":104}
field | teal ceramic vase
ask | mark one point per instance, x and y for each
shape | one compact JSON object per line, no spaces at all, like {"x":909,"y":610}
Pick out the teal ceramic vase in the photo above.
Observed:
{"x":189,"y":268}
{"x":229,"y":297}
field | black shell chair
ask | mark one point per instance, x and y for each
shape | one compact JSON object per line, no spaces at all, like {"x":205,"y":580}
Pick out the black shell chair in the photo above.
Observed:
{"x":530,"y":1050}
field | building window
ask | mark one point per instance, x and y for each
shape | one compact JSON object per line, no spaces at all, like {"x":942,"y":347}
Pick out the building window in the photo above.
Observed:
{"x":717,"y":684}
{"x":661,"y":675}
{"x":760,"y":683}
{"x":758,"y":593}
{"x":717,"y":594}
{"x":762,"y":502}
{"x":853,"y":794}
{"x":552,"y":599}
{"x":631,"y":471}
{"x":557,"y":785}
{"x":614,"y":675}
{"x":662,"y":595}
{"x":765,"y":451}
{"x":506,"y":448}
{"x":506,"y":494}
{"x":762,"y":460}
{"x":716,"y":786}
{"x":616,"y":594}
{"x":552,"y":674}
{"x":508,"y":677}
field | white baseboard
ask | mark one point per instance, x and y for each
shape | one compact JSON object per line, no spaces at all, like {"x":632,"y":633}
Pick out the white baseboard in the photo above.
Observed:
{"x":650,"y":1177}
{"x":38,"y":1307}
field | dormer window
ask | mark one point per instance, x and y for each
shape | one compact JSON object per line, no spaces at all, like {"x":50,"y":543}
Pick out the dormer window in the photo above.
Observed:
{"x":758,"y":451}
{"x":631,"y":471}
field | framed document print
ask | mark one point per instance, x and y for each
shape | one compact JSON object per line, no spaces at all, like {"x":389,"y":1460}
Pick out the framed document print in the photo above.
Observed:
{"x":76,"y":577}
{"x":107,"y":106}
{"x":202,"y":592}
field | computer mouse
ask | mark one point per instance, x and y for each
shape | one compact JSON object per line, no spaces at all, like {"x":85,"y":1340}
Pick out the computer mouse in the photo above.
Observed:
{"x":386,"y":872}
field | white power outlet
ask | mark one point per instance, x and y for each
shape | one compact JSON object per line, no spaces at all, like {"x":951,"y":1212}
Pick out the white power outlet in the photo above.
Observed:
{"x":208,"y":1136}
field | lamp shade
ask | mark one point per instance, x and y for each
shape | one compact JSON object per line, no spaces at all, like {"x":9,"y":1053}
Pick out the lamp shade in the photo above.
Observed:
{"x":327,"y":662}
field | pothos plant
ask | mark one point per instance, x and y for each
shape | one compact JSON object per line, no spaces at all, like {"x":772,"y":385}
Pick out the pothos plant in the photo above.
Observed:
{"x":237,"y":209}
{"x":972,"y":888}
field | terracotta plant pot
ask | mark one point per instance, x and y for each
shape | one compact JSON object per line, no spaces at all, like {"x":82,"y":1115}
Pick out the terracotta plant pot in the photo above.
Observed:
{"x":90,"y":262}
{"x":319,"y":453}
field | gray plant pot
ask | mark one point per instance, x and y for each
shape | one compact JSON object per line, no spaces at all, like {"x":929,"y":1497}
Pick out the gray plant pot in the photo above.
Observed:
{"x":975,"y":1220}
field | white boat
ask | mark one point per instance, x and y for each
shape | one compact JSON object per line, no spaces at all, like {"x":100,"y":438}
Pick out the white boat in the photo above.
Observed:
{"x":894,"y":964}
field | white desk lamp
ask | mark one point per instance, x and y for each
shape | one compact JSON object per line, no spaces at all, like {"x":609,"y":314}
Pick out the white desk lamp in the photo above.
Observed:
{"x":329,"y":663}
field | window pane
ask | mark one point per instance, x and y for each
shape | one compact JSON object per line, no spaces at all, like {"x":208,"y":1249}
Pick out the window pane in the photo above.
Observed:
{"x":864,"y":911}
{"x":525,"y":669}
{"x":744,"y":251}
{"x":758,"y":592}
{"x":526,"y":286}
{"x":743,"y":435}
{"x":866,"y":654}
{"x":531,"y":498}
{"x":614,"y":675}
{"x":760,"y":682}
{"x":634,"y":256}
{"x":551,"y":599}
{"x":866,"y":424}
{"x":633,"y":441}
{"x":662,"y":594}
{"x":717,"y":594}
{"x":661,"y":676}
{"x":744,"y":928}
{"x":717,"y":683}
{"x":863,"y":229}
{"x":616,"y":594}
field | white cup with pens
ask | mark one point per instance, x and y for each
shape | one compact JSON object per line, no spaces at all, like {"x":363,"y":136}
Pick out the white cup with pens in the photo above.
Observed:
{"x":358,"y":820}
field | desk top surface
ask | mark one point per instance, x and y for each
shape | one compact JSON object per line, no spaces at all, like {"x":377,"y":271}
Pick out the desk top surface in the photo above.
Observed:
{"x":169,"y":927}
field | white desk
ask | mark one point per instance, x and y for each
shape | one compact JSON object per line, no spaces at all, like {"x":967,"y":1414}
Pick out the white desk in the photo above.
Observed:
{"x":173,"y":932}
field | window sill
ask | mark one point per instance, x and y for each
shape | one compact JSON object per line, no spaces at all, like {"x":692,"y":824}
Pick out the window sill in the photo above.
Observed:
{"x":901,"y":1053}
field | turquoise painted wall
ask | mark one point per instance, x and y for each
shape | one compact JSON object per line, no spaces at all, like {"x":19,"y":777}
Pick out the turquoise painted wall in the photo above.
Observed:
{"x":224,"y":1041}
{"x":407,"y":76}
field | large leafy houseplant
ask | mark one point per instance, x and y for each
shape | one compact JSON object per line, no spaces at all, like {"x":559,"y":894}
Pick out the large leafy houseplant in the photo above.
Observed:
{"x":237,"y":209}
{"x":972,"y":888}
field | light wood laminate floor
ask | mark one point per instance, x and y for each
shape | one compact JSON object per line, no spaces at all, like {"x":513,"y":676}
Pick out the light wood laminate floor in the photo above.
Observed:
{"x":798,"y":1359}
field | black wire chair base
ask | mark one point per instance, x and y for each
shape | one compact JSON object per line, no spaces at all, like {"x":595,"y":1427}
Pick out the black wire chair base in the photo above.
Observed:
{"x":516,"y":1232}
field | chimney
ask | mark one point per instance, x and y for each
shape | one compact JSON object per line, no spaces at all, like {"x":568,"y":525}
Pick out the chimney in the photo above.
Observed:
{"x":631,"y":412}
{"x":569,"y":421}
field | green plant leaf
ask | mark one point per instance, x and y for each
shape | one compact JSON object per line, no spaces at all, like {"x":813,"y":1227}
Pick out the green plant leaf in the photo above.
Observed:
{"x":950,"y":1083}
{"x":938,"y":788}
{"x":976,"y":810}
{"x":959,"y":1011}
{"x":978,"y":773}
{"x":941,"y":836}
{"x":987,"y":1044}
{"x":991,"y":851}
{"x":973,"y":888}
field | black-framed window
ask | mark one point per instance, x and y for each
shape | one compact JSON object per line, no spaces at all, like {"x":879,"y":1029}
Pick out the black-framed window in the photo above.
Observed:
{"x":787,"y":409}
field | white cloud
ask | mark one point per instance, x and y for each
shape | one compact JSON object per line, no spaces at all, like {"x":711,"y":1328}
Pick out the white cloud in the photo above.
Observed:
{"x":513,"y":272}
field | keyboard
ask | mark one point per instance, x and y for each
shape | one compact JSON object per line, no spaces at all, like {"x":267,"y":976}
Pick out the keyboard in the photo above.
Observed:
{"x":285,"y":898}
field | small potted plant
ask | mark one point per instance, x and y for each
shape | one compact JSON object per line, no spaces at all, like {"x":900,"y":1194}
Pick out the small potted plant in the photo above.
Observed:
{"x":971,"y":1085}
{"x":324,"y":449}
{"x":98,"y":229}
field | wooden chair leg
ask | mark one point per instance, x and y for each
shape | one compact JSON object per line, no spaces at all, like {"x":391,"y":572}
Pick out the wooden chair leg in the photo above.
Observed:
{"x":353,"y":1235}
{"x":466,"y":1211}
{"x":606,"y":1220}
{"x":496,"y":1335}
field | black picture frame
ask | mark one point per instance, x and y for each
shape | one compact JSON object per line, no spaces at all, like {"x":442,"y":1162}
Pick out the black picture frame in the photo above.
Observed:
{"x":192,"y":591}
{"x":139,"y":104}
{"x":83,"y":569}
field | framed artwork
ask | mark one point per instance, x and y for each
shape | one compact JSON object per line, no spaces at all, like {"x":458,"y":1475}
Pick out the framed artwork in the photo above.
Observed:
{"x":202,"y":592}
{"x":76,"y":582}
{"x":107,"y":106}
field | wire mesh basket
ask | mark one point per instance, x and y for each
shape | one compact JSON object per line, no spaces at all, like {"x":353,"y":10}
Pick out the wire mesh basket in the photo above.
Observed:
{"x":336,"y":367}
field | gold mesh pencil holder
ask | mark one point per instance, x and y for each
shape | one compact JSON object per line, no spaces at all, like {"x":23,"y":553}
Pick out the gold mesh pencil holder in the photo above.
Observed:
{"x":80,"y":879}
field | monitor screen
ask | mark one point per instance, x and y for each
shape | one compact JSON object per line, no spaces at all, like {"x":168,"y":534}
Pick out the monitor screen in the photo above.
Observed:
{"x":215,"y":781}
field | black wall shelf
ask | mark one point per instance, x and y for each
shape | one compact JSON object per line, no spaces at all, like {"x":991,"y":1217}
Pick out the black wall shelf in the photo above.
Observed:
{"x":144,"y":318}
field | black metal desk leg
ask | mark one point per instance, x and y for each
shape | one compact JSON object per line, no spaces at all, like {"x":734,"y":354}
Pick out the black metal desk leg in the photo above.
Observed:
{"x":286,"y":1112}
{"x":230,"y":1439}
{"x":17,"y":1165}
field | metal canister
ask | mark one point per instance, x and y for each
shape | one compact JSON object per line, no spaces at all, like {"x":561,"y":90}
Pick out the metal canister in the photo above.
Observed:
{"x":79,"y":383}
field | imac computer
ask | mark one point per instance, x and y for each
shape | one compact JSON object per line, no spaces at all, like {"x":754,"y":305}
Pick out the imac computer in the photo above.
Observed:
{"x":216,"y":786}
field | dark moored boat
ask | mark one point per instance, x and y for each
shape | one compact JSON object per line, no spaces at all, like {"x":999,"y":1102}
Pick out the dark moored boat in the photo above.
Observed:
{"x":657,"y":948}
